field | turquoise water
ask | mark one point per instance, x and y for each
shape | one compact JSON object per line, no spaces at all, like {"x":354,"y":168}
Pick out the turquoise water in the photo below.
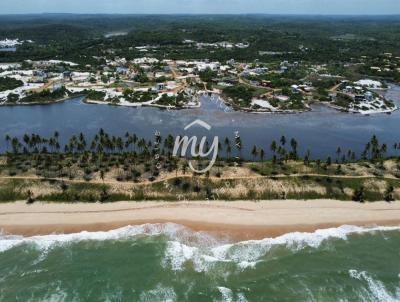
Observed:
{"x":167,"y":262}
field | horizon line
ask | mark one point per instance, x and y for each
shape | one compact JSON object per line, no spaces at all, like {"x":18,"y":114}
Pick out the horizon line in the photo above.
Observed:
{"x":204,"y":14}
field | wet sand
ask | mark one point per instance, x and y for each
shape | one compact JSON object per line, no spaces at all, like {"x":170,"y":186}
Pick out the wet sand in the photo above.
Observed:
{"x":242,"y":220}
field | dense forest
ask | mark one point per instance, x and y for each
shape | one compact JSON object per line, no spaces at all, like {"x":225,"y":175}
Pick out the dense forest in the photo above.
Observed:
{"x":317,"y":39}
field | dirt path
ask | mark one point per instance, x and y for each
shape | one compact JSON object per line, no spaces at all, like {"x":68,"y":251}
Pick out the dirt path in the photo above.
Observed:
{"x":114,"y":182}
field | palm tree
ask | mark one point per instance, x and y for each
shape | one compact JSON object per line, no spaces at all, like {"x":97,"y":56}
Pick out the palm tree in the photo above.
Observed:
{"x":307,"y":158}
{"x":367,"y":150}
{"x":349,"y":152}
{"x":26,"y":139}
{"x":293,"y":144}
{"x":283,"y":140}
{"x":57,"y":146}
{"x":262,"y":154}
{"x":328,"y":161}
{"x":282,"y":153}
{"x":338,"y":152}
{"x":238,"y":144}
{"x":102,"y":176}
{"x":254,"y":152}
{"x":175,"y":166}
{"x":15,"y":145}
{"x":134,"y":141}
{"x":318,"y":162}
{"x":273,"y":146}
{"x":228,"y":151}
{"x":8,"y":139}
{"x":226,"y":141}
{"x":119,"y":144}
{"x":228,"y":147}
{"x":383,"y":150}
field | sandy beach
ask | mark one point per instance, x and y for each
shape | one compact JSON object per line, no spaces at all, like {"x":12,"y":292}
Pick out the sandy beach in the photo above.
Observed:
{"x":250,"y":220}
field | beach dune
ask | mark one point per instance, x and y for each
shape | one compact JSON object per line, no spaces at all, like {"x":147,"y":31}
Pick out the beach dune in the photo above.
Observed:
{"x":244,"y":219}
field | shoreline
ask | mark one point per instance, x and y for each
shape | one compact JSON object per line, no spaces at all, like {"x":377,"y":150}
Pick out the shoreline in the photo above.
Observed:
{"x":141,"y":105}
{"x":242,"y":220}
{"x":362,"y":113}
{"x":197,"y":106}
{"x":38,"y":103}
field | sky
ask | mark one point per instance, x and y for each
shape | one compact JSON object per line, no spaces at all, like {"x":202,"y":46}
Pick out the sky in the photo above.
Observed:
{"x":352,"y":7}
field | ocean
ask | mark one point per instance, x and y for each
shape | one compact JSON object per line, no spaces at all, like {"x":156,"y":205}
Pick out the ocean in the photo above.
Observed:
{"x":169,"y":262}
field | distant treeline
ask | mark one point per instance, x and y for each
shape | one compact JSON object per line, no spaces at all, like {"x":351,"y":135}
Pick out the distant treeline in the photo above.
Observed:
{"x":318,"y":39}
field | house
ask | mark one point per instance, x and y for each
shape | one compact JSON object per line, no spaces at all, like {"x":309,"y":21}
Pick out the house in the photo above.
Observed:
{"x":306,"y":88}
{"x":265,"y":83}
{"x":145,"y":60}
{"x":67,"y":75}
{"x":261,"y":70}
{"x":348,"y":89}
{"x":57,"y":86}
{"x":80,"y":76}
{"x":160,"y":86}
{"x":39,"y":73}
{"x":369,"y":96}
{"x":374,"y":68}
{"x":295,"y":88}
{"x":359,"y":98}
{"x":369,"y":83}
{"x":283,"y":69}
{"x":358,"y":89}
{"x":242,"y":45}
{"x":122,"y":70}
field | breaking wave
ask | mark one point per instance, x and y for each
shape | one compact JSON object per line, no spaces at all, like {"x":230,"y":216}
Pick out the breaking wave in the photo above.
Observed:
{"x":228,"y":296}
{"x":375,"y":290}
{"x":247,"y":254}
{"x":159,"y":294}
{"x":44,"y":242}
{"x":200,"y":249}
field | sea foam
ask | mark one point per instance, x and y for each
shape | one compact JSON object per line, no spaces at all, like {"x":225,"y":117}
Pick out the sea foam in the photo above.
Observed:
{"x":159,"y":294}
{"x":376,"y":291}
{"x":200,"y":249}
{"x":228,"y":295}
{"x":246,"y":254}
{"x":44,"y":242}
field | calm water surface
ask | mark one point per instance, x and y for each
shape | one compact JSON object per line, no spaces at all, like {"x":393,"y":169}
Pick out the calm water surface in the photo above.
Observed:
{"x":321,"y":130}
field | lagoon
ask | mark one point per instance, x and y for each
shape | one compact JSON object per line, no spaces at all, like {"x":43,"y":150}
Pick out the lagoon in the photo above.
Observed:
{"x":322,"y":130}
